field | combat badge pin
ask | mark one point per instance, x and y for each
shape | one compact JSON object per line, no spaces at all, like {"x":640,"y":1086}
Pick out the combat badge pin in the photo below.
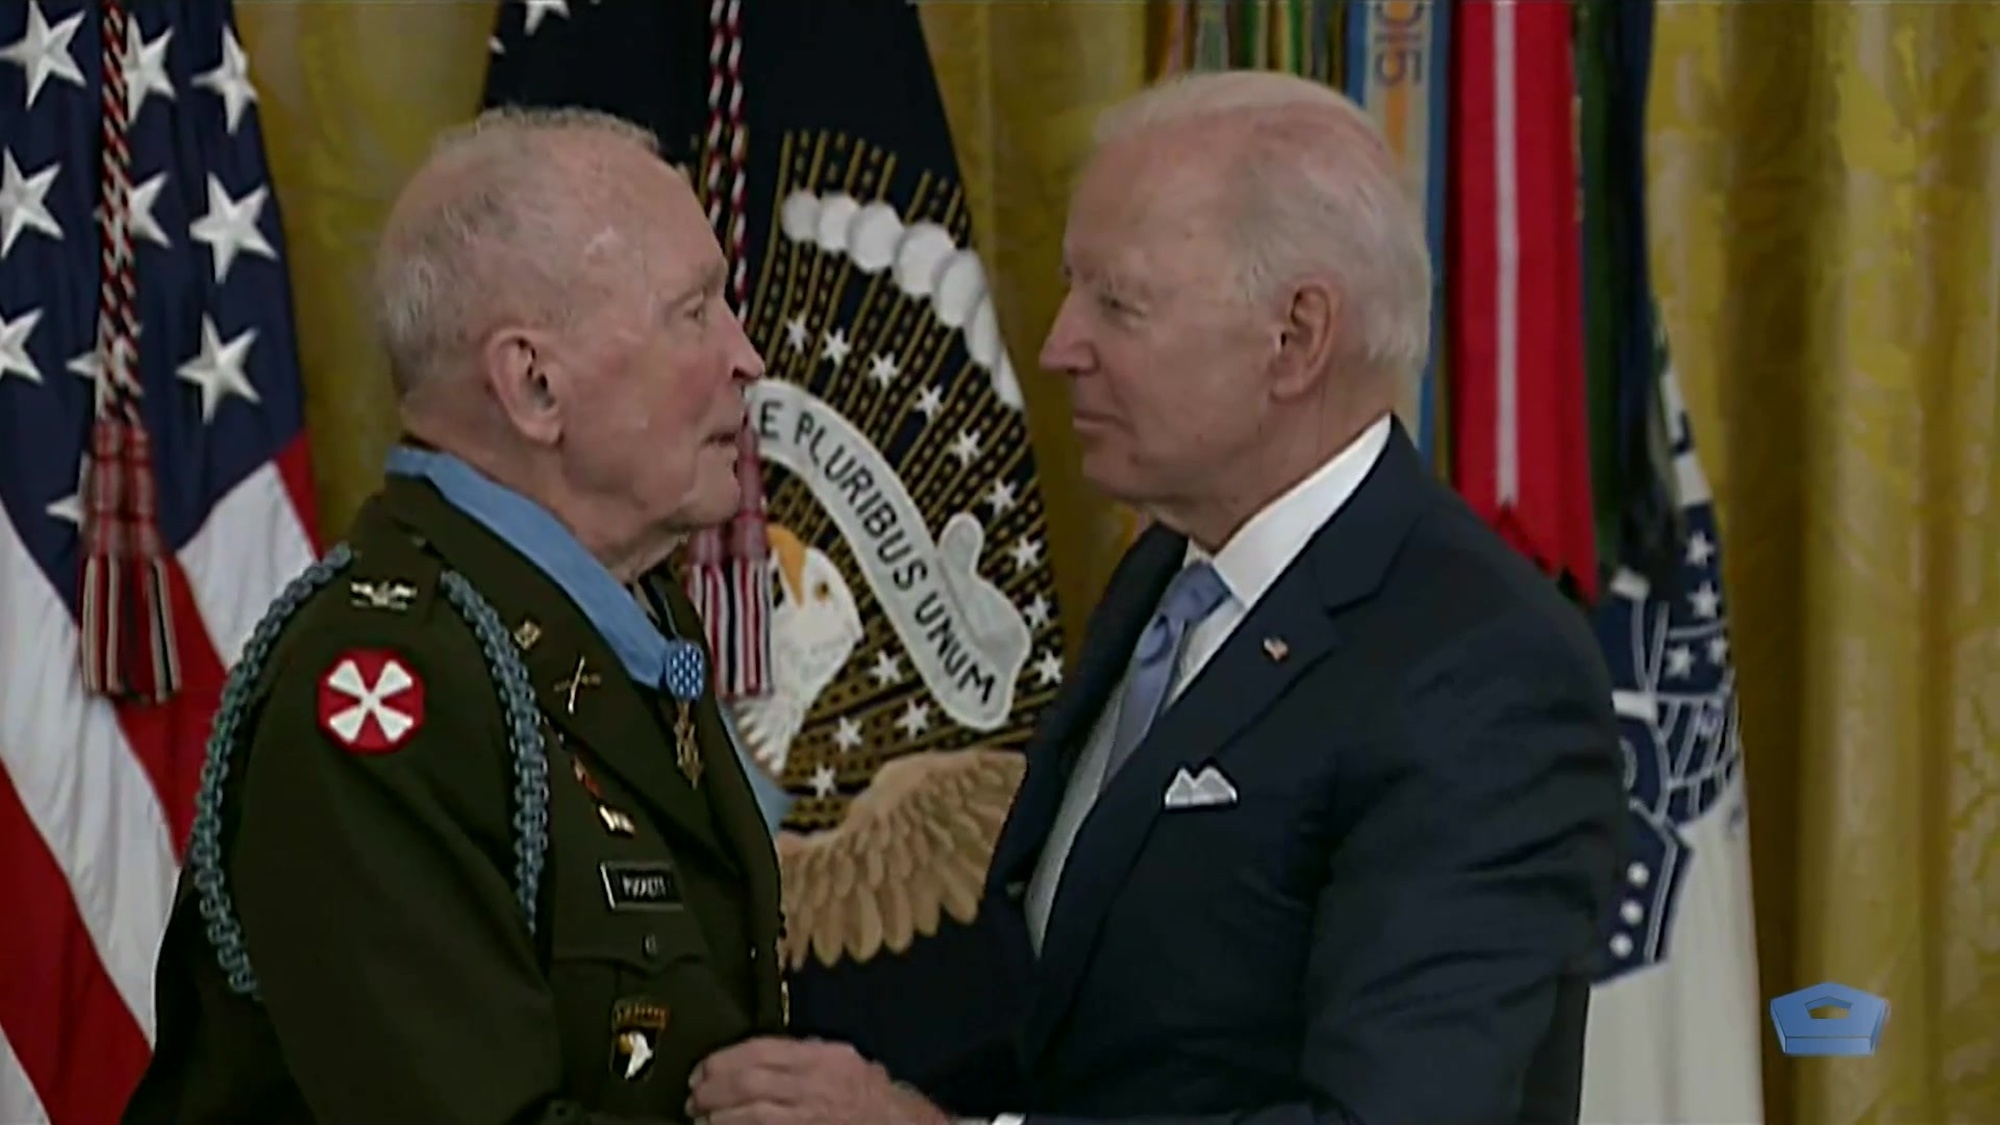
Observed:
{"x":687,"y":750}
{"x":392,"y":596}
{"x":636,"y":1027}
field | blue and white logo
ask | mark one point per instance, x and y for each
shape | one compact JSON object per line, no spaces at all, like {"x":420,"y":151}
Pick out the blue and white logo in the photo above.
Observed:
{"x":1829,"y":1019}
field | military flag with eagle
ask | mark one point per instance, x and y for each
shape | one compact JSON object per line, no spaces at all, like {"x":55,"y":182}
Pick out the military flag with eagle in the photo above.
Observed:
{"x":906,"y":601}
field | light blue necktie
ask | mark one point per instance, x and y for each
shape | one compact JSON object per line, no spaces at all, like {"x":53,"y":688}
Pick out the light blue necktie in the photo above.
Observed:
{"x":1193,"y":594}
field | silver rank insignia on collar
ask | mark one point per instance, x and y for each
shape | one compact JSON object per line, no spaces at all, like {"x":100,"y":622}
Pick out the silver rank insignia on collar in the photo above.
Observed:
{"x":392,"y":596}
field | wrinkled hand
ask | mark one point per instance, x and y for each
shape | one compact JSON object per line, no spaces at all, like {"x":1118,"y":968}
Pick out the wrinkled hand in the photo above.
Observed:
{"x":801,"y":1082}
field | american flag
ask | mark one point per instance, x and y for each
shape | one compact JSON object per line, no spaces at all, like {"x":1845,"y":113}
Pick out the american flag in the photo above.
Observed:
{"x":96,"y":795}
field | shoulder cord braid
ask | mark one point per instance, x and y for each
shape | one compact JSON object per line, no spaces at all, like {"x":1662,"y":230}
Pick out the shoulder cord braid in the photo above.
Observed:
{"x":524,"y":741}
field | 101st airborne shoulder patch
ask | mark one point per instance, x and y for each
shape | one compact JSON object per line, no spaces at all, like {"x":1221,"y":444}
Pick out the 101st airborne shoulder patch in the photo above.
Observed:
{"x":914,"y":634}
{"x":636,"y":1027}
{"x":370,"y":701}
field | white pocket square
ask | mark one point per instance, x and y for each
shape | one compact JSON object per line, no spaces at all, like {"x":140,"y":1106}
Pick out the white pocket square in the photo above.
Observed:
{"x":1205,"y":790}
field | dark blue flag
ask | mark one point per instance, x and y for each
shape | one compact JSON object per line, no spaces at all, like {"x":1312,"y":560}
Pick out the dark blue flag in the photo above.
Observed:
{"x":913,"y":630}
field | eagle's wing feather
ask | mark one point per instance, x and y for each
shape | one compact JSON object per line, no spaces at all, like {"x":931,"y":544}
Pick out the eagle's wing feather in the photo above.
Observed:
{"x":913,"y":848}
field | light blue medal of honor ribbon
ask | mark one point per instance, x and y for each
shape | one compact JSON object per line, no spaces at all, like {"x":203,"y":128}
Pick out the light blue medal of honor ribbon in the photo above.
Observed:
{"x":671,"y":664}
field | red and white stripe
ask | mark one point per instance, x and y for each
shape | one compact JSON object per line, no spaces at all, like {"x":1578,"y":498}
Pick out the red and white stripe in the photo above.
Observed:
{"x":1520,"y":424}
{"x":96,"y":799}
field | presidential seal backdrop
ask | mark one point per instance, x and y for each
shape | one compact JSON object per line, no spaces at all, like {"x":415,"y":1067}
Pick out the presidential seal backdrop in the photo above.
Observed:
{"x":913,"y":630}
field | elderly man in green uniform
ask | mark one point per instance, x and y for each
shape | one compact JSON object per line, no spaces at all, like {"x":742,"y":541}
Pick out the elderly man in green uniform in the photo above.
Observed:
{"x":472,"y":845}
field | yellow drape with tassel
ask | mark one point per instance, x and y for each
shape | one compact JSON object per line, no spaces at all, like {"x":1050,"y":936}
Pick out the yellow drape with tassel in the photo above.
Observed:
{"x":1826,"y":217}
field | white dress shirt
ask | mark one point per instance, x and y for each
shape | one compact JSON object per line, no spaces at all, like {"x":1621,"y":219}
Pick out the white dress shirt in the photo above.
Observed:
{"x":1249,"y":564}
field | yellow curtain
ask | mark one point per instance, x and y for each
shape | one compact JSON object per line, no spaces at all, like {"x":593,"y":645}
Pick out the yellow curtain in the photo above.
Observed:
{"x":1023,"y":85}
{"x":1826,"y":210}
{"x":351,"y":95}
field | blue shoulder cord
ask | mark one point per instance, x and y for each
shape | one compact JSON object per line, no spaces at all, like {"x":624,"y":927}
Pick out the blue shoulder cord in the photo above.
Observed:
{"x":524,"y":742}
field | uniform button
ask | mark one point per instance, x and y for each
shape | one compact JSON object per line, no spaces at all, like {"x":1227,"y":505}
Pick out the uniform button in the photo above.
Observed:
{"x":753,"y":953}
{"x":650,"y":947}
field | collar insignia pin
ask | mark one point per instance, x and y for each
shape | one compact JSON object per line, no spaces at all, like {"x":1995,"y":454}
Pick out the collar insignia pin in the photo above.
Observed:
{"x":577,"y":680}
{"x":1276,"y":648}
{"x":526,"y":634}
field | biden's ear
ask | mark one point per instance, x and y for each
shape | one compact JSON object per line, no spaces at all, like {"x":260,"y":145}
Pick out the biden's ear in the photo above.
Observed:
{"x":1308,"y":328}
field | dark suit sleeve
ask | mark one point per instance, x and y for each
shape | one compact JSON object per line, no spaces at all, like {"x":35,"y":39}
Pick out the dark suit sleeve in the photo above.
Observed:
{"x":1471,"y":884}
{"x":376,"y":897}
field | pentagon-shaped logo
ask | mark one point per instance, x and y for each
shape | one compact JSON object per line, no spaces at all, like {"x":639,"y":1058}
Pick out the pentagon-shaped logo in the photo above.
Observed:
{"x":1829,"y":1019}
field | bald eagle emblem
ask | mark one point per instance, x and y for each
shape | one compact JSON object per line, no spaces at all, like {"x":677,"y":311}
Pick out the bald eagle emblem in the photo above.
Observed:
{"x":815,"y":625}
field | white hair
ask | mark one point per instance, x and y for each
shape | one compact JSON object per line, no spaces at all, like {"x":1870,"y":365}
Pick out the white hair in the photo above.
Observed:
{"x":1320,"y":194}
{"x":491,"y":232}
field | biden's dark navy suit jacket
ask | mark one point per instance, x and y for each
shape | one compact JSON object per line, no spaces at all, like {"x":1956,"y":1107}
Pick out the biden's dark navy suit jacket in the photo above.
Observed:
{"x":1394,"y":920}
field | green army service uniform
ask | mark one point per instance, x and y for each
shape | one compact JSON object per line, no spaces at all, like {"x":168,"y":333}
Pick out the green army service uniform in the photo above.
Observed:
{"x":459,"y":869}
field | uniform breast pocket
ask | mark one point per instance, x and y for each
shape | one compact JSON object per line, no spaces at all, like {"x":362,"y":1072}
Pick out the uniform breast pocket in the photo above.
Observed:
{"x":638,"y":996}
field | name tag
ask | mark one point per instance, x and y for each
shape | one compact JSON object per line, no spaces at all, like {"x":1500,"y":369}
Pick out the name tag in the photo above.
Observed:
{"x":640,"y":886}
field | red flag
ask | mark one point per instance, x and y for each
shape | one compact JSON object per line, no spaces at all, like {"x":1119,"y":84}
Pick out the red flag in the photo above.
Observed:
{"x":1521,"y":442}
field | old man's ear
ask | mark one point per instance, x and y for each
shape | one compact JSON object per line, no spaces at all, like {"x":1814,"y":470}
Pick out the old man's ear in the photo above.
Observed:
{"x":518,"y":375}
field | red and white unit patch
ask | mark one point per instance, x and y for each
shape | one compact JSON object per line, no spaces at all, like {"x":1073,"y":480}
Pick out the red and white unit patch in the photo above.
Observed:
{"x":370,"y":701}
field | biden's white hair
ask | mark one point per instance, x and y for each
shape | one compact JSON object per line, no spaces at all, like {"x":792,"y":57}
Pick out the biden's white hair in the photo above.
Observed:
{"x":1318,"y":192}
{"x":495,"y":232}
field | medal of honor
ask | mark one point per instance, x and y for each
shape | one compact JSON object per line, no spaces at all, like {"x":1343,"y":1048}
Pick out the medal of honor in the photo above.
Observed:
{"x":687,"y":752}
